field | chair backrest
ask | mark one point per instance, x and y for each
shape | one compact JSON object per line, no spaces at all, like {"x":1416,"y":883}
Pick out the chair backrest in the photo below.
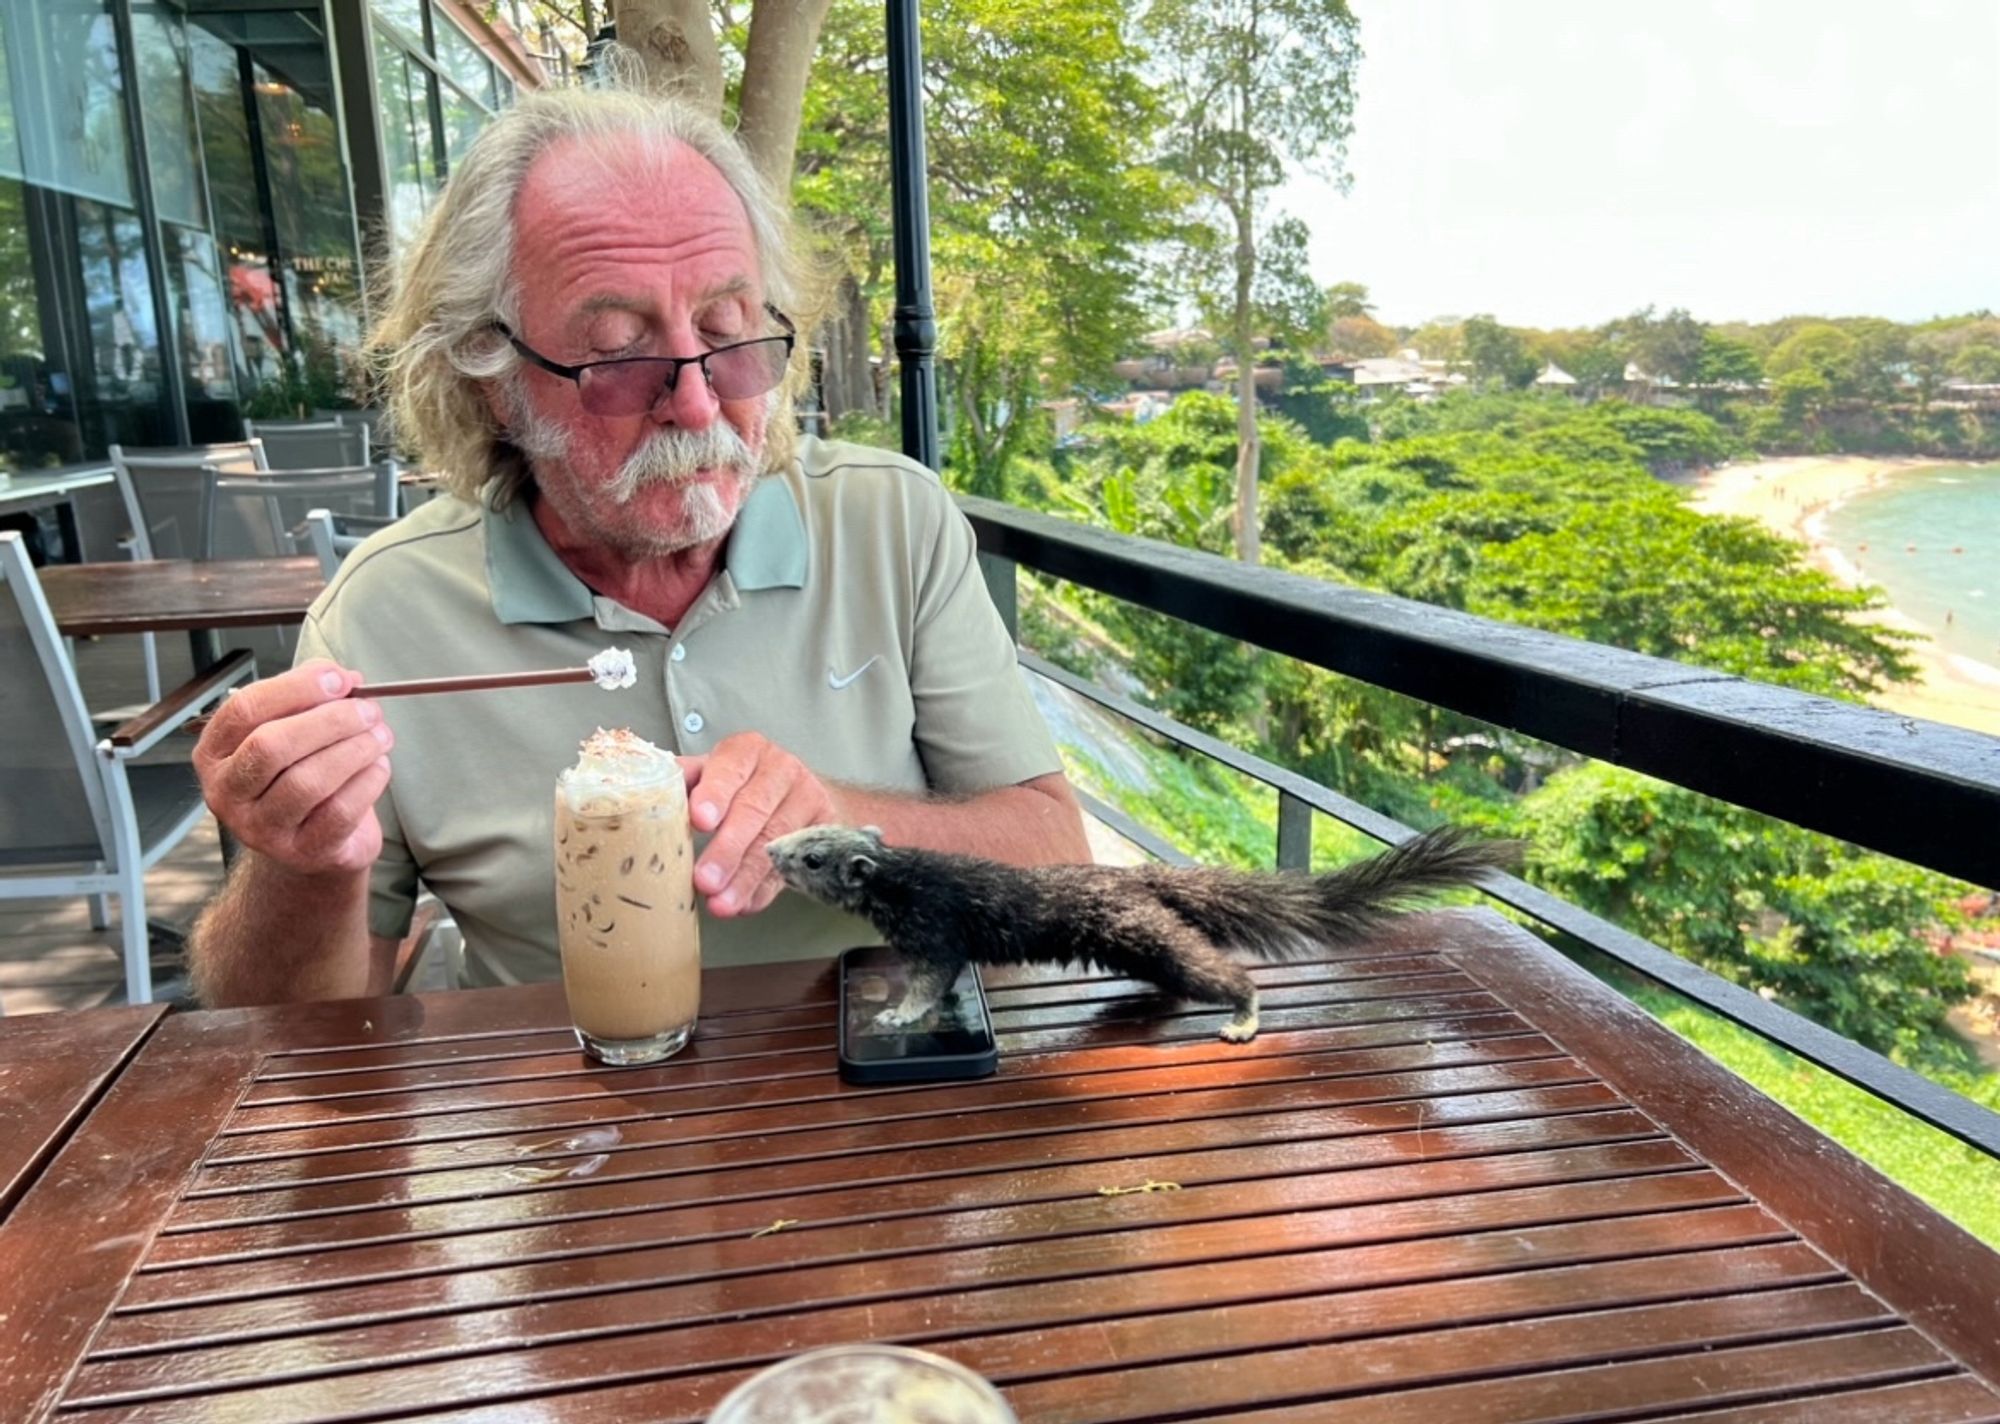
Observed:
{"x":162,"y":491}
{"x":52,"y":806}
{"x":287,"y":495}
{"x":310,"y":444}
{"x":334,"y":536}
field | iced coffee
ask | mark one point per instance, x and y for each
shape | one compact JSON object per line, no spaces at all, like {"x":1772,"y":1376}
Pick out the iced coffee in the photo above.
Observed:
{"x":625,"y":906}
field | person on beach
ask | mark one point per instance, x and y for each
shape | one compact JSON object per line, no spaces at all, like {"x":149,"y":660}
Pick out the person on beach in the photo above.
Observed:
{"x":589,"y":340}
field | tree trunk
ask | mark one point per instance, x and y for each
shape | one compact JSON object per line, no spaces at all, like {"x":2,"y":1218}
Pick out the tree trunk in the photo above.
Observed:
{"x":676,"y":40}
{"x":1248,"y":547}
{"x":783,"y":36}
{"x":850,"y":382}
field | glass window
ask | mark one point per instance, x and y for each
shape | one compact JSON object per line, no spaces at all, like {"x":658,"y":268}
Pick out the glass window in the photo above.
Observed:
{"x":406,"y":15}
{"x":37,"y":424}
{"x":67,"y":96}
{"x":460,"y":58}
{"x":173,"y":151}
{"x":407,"y":137}
{"x":124,"y":398}
{"x":315,"y":266}
{"x":208,"y":351}
{"x":10,"y":142}
{"x":503,"y":88}
{"x":463,"y":120}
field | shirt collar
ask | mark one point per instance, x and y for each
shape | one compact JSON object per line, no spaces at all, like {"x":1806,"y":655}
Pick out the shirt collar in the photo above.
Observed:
{"x":530,"y":584}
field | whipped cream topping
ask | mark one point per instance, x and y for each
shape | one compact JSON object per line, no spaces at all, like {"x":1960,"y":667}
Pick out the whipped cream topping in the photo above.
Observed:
{"x":617,"y":768}
{"x":614,"y":668}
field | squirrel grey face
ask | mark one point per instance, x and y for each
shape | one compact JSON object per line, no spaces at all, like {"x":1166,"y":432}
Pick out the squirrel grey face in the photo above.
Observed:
{"x":830,"y":864}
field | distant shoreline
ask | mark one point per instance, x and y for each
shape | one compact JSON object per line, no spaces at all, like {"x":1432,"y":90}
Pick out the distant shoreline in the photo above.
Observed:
{"x":1793,"y":497}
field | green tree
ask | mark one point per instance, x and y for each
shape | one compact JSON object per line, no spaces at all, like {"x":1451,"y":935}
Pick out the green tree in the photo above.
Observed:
{"x":1345,"y":299}
{"x":1041,"y":212}
{"x":1497,"y":353}
{"x":1254,"y":86}
{"x":1831,"y":931}
{"x":1824,"y":350}
{"x":1727,"y":361}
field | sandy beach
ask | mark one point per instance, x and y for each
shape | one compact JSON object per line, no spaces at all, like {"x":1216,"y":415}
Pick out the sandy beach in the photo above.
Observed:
{"x":1793,"y":498}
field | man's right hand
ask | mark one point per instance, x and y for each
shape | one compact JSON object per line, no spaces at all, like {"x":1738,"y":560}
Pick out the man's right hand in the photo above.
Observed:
{"x":293,"y":766}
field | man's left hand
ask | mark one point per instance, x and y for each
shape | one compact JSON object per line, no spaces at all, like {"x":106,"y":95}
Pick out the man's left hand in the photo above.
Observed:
{"x":749,"y":791}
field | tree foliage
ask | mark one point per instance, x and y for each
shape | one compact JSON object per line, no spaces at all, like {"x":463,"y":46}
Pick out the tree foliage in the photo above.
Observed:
{"x":1252,"y":86}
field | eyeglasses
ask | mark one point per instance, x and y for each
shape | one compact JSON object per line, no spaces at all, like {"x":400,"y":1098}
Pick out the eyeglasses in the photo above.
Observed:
{"x":633,"y":385}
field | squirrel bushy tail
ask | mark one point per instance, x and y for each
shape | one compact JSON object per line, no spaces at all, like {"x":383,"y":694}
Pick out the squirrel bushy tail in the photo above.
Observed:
{"x":1292,"y":916}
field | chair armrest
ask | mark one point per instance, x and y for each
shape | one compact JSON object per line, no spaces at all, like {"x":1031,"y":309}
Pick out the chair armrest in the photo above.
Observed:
{"x":410,"y":950}
{"x":177,"y":706}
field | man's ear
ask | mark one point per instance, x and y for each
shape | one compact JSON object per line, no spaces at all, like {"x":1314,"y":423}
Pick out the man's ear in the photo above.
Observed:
{"x":858,"y":869}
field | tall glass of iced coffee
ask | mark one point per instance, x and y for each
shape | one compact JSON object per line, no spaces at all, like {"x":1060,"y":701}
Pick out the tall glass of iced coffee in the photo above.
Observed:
{"x":631,"y":952}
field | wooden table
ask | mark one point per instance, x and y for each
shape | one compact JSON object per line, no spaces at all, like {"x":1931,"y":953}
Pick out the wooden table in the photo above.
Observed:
{"x":1454,"y":1179}
{"x":52,"y":1069}
{"x":174,"y":595}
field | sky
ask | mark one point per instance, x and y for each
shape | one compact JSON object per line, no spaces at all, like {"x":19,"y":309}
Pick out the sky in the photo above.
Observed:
{"x":1564,"y":162}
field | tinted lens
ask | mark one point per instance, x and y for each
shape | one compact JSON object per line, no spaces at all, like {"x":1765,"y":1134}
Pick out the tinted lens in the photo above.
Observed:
{"x":623,"y":387}
{"x":747,"y":370}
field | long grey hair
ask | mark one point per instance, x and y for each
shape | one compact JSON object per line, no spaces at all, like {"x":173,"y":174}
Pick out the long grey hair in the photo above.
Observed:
{"x":435,"y":345}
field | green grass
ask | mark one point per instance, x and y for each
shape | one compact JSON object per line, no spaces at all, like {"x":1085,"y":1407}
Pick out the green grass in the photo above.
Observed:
{"x":1959,"y":1181}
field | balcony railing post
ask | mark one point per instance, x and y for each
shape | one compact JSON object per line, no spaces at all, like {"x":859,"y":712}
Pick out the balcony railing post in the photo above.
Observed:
{"x":1003,"y":583}
{"x":915,"y":320}
{"x":1295,"y":833}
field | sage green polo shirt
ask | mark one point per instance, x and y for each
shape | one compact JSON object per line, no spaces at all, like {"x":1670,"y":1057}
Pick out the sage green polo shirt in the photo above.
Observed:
{"x":848,"y":623}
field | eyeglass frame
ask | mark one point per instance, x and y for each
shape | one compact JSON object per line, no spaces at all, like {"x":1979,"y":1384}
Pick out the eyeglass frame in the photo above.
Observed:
{"x":790,"y":336}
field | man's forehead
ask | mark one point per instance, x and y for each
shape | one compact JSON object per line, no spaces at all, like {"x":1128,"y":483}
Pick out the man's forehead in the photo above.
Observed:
{"x":596,"y":203}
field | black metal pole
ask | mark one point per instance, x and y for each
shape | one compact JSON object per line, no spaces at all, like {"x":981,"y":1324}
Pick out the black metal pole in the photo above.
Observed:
{"x":916,"y":322}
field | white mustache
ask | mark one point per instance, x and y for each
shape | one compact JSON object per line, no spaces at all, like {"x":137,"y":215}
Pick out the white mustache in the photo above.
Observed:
{"x":674,"y":456}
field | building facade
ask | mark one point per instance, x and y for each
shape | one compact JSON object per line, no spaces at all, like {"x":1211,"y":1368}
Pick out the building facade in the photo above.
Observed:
{"x":190,"y":191}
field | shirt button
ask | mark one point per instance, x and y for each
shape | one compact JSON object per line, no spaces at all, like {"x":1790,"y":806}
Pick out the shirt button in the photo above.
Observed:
{"x":692,"y":722}
{"x":679,"y":653}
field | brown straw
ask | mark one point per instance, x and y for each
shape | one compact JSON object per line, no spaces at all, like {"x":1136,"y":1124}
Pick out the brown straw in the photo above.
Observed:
{"x":475,"y":682}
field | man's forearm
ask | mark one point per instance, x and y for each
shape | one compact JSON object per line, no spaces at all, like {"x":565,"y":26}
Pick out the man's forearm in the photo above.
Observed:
{"x":274,"y":936}
{"x":1035,"y":823}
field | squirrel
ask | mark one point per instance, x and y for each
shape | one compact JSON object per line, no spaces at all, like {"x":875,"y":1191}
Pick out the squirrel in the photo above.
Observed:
{"x":1173,"y":926}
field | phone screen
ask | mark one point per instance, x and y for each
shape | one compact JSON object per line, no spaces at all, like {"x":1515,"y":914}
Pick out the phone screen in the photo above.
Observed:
{"x":876,"y":979}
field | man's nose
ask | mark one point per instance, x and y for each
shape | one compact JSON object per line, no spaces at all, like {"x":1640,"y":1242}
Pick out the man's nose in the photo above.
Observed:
{"x":689,"y":402}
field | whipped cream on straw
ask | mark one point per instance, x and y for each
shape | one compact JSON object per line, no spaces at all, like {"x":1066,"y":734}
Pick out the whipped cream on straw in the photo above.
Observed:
{"x":614,"y":668}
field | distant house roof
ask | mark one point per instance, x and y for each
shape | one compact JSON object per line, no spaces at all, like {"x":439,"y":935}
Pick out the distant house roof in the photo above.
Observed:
{"x":1388,"y":371}
{"x":1177,"y":336}
{"x":1554,"y":375}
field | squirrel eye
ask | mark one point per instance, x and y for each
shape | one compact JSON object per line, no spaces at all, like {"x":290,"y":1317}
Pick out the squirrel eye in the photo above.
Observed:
{"x":814,"y":860}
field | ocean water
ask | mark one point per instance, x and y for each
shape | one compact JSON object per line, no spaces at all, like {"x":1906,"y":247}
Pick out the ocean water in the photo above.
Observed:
{"x":1930,"y":537}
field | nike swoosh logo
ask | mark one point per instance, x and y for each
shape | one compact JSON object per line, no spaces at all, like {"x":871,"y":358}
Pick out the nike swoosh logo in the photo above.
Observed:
{"x":836,"y":683}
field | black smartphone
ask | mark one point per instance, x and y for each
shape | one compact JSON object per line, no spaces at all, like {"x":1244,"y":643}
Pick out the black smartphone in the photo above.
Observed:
{"x":954,"y":1040}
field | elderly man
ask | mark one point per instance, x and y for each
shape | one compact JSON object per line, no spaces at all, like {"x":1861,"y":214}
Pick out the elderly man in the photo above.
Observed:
{"x":589,"y":338}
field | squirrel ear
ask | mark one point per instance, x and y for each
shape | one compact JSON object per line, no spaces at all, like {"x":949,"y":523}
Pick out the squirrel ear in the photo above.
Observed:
{"x":859,"y":868}
{"x":874,"y":833}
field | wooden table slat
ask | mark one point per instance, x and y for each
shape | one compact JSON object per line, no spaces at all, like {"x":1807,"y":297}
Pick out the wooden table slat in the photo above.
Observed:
{"x":52,"y":1069}
{"x":812,"y":1079}
{"x":317,"y":1236}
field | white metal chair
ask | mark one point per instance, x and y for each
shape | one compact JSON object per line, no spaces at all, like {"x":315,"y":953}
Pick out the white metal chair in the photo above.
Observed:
{"x":77,"y":817}
{"x":310,"y":444}
{"x":288,"y":495}
{"x":334,"y":536}
{"x":161,"y":491}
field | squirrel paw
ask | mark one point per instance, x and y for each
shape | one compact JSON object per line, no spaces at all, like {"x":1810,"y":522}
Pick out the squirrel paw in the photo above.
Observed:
{"x":1242,"y":1028}
{"x":902,"y":1015}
